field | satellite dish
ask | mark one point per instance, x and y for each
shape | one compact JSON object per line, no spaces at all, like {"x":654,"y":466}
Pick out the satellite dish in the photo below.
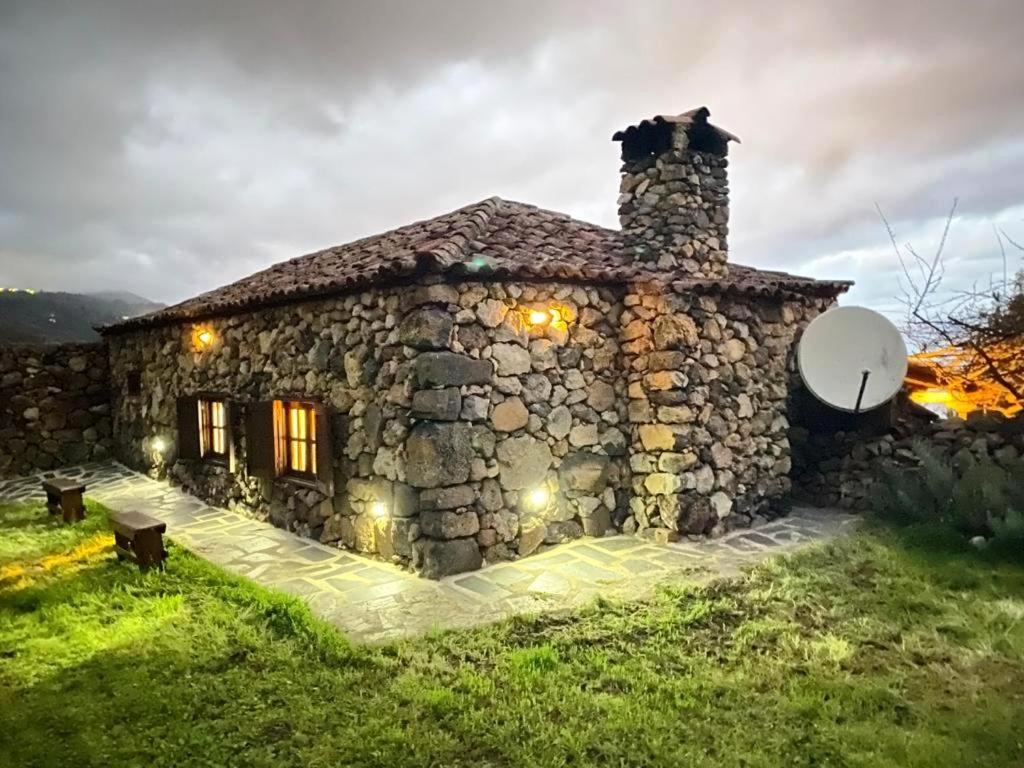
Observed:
{"x":852,"y":359}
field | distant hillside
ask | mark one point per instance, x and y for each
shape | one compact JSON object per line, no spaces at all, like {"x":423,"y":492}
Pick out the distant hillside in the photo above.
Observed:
{"x":52,"y":318}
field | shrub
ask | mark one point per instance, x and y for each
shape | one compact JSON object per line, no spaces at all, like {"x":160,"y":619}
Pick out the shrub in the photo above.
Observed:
{"x":976,"y":496}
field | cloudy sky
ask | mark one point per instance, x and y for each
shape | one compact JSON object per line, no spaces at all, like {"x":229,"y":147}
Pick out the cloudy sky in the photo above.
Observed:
{"x":167,"y":148}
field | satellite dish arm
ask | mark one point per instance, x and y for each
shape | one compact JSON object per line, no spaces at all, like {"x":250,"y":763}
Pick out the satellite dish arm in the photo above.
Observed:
{"x":863,"y":385}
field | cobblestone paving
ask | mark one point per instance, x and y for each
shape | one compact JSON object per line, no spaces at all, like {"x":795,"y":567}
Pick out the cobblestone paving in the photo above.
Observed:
{"x":374,"y":601}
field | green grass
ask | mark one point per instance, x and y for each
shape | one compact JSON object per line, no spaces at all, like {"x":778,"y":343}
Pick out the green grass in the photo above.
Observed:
{"x":873,"y":651}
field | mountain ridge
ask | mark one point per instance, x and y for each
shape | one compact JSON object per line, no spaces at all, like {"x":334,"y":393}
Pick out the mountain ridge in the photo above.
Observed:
{"x":58,"y":317}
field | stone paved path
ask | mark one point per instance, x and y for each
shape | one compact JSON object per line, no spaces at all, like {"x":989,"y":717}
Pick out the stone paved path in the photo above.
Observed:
{"x":375,"y":601}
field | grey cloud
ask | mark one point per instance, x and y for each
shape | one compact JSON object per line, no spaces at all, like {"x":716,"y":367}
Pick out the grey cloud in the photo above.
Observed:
{"x":170,"y":147}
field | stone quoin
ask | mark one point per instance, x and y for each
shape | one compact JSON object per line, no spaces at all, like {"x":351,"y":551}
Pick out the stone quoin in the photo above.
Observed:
{"x":501,"y":378}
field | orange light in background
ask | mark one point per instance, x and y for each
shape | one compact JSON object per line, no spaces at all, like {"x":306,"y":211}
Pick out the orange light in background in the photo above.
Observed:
{"x":202,"y":337}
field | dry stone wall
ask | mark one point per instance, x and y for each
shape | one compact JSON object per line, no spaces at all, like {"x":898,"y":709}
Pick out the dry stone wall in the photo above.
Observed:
{"x":709,"y":379}
{"x":839,"y":470}
{"x":54,"y":407}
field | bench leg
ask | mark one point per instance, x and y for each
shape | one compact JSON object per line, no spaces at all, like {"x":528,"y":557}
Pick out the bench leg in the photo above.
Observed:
{"x":149,"y":549}
{"x":72,"y":507}
{"x":52,"y":502}
{"x":121,"y":545}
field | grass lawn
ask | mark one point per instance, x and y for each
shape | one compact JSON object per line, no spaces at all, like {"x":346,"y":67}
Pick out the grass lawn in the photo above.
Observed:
{"x":874,"y":651}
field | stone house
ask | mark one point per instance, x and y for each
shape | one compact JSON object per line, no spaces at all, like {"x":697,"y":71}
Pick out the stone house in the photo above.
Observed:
{"x":474,"y":386}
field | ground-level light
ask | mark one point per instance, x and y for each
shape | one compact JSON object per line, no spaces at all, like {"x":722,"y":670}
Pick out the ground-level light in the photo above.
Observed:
{"x":538,"y":497}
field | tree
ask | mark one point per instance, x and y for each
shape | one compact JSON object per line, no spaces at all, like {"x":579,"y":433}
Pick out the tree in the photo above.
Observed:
{"x":975,"y":335}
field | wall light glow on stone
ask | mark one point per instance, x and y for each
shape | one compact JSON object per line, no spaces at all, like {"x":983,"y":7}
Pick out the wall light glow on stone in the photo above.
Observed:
{"x":159,"y":444}
{"x":378,"y":509}
{"x":538,"y":497}
{"x":202,"y":337}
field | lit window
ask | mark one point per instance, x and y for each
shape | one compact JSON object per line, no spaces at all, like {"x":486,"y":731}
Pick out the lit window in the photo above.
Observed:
{"x":213,"y":429}
{"x":295,"y":424}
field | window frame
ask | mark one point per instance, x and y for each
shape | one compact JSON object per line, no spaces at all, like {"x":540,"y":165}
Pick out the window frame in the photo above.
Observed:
{"x":286,"y":444}
{"x":207,"y":429}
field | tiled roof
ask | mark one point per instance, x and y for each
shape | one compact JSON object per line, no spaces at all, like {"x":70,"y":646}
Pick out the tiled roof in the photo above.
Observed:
{"x":495,"y":238}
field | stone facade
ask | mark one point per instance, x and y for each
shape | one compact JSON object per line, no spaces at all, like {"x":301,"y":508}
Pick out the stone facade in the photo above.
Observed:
{"x":54,"y":407}
{"x":519,"y":435}
{"x":709,"y":378}
{"x":489,"y":418}
{"x":839,"y":469}
{"x":508,"y":378}
{"x":343,"y":352}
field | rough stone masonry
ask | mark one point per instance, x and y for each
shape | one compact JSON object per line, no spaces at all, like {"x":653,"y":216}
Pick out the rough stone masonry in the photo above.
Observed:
{"x":501,"y":378}
{"x":54,"y":406}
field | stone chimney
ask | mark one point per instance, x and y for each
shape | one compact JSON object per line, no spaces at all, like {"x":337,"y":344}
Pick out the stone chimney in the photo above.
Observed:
{"x":674,"y":195}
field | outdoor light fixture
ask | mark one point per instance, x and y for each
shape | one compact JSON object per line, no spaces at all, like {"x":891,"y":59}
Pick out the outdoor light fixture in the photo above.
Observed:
{"x":538,"y":317}
{"x":378,"y":509}
{"x":202,"y":337}
{"x":159,"y":444}
{"x":538,"y":497}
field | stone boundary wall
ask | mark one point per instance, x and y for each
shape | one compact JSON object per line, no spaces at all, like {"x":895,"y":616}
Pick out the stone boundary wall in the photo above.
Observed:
{"x":838,"y":470}
{"x":54,"y":406}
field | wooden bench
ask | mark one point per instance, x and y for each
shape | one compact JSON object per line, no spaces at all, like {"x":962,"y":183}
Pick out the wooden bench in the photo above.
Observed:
{"x":140,"y":538}
{"x":65,"y":496}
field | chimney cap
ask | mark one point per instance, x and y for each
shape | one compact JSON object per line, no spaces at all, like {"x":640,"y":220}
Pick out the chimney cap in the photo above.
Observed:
{"x":651,"y":133}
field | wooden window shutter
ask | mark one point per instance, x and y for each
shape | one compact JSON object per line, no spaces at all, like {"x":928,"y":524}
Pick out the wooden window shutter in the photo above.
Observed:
{"x":229,"y":433}
{"x":188,"y":428}
{"x":324,"y":454}
{"x":259,"y":439}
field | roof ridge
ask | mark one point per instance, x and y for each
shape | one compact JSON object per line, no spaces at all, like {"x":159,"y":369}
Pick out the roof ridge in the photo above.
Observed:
{"x":454,"y":249}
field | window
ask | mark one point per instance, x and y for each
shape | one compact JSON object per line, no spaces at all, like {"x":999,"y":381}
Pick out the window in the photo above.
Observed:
{"x":133,"y":382}
{"x":295,"y":432}
{"x":290,"y":438}
{"x":213,"y":428}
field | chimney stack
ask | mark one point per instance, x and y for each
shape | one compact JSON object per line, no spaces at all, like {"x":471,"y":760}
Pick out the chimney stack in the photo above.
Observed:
{"x":674,"y":194}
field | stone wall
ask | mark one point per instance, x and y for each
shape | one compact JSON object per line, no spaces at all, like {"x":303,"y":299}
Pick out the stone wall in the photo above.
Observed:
{"x":54,"y":407}
{"x":709,"y":380}
{"x":839,"y":469}
{"x":341,"y":352}
{"x":489,"y":419}
{"x":674,"y":209}
{"x":519,"y":411}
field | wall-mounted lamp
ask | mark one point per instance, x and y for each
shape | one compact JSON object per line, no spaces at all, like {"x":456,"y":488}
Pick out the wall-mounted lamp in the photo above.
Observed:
{"x":202,"y":337}
{"x":540,"y":317}
{"x":378,"y":509}
{"x":158,"y":444}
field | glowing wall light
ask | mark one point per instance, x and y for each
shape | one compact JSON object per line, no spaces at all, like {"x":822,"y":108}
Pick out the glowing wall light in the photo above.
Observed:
{"x":202,"y":337}
{"x":378,"y":509}
{"x":538,"y":497}
{"x":159,"y":444}
{"x":541,"y":317}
